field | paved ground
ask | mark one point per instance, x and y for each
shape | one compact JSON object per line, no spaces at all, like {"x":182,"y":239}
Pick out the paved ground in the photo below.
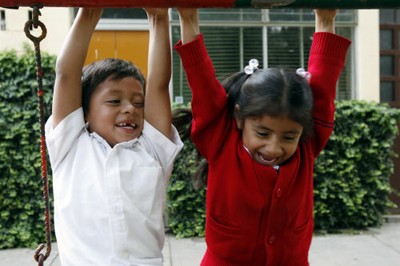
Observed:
{"x":375,"y":247}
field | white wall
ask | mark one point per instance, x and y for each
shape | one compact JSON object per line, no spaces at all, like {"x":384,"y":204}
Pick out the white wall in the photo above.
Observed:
{"x":366,"y":53}
{"x":56,"y":20}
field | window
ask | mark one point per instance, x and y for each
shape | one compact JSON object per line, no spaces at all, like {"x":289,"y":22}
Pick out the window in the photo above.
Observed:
{"x":276,"y":37}
{"x":2,"y":20}
{"x":390,"y":56}
{"x":30,"y":17}
{"x":124,"y":13}
{"x":121,"y":13}
{"x":117,"y":19}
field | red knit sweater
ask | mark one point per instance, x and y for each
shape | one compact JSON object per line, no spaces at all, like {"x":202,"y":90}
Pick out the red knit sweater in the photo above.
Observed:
{"x":254,"y":214}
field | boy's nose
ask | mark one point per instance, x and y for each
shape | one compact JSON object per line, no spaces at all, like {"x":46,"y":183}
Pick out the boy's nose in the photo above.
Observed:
{"x":129,"y":108}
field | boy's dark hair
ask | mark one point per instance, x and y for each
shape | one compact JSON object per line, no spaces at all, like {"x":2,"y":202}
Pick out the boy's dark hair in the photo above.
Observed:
{"x":271,"y":91}
{"x":98,"y":71}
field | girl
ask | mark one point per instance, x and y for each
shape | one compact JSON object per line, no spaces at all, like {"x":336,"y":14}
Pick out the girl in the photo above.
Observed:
{"x":260,"y":131}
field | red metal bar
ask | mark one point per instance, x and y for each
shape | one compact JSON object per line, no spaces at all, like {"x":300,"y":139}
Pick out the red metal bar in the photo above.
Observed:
{"x":341,"y":4}
{"x":120,"y":3}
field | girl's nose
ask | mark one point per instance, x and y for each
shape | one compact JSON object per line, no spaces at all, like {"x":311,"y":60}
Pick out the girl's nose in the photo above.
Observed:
{"x":274,"y":148}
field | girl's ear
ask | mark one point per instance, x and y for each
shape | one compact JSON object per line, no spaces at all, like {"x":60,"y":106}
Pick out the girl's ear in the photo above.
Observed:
{"x":239,"y":121}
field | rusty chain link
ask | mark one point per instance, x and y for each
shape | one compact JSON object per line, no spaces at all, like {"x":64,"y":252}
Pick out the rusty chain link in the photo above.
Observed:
{"x":30,"y":24}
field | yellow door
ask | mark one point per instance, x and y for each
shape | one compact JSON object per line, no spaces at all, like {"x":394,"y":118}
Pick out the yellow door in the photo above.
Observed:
{"x":127,"y":45}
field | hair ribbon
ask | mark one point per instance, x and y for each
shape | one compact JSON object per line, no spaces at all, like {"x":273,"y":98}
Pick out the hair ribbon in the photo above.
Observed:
{"x":303,"y":73}
{"x":253,"y":66}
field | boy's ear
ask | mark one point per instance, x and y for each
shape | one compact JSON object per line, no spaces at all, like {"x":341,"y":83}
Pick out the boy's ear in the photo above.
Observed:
{"x":239,"y":122}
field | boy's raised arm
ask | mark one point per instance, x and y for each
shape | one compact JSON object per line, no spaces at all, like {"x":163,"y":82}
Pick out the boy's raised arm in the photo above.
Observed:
{"x":157,"y":101}
{"x":67,"y":95}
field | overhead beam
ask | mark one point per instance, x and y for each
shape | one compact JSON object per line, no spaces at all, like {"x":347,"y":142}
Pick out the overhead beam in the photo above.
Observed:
{"x":340,"y":4}
{"x":345,"y":4}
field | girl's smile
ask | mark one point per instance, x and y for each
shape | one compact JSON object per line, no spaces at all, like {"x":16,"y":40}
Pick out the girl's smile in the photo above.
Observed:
{"x":270,"y":140}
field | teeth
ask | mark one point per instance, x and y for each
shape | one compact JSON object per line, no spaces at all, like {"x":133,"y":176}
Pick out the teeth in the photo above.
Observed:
{"x":126,"y":125}
{"x":266,"y":160}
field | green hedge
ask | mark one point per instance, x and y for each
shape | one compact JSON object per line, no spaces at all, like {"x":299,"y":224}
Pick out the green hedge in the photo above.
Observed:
{"x":351,"y":175}
{"x":21,"y":197}
{"x":185,"y":205}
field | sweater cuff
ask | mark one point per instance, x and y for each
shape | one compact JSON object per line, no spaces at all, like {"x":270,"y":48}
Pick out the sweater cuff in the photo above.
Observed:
{"x":329,"y":44}
{"x":193,"y":52}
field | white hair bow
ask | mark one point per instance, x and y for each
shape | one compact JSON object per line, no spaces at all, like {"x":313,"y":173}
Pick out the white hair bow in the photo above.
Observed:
{"x":305,"y":74}
{"x":253,"y":66}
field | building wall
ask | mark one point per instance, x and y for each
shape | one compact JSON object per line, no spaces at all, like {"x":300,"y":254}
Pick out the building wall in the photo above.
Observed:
{"x":366,"y":53}
{"x":56,"y":20}
{"x":130,"y":44}
{"x":127,"y":45}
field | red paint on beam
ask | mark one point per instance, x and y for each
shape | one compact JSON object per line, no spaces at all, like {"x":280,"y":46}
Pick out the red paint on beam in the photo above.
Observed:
{"x":120,"y":3}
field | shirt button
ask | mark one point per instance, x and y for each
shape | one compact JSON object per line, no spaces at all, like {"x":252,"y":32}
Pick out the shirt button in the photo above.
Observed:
{"x":272,"y":240}
{"x":278,"y":193}
{"x":125,"y":254}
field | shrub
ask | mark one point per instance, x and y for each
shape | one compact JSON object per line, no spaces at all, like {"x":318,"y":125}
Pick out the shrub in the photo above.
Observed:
{"x":21,"y":197}
{"x":352,"y":174}
{"x":185,"y":205}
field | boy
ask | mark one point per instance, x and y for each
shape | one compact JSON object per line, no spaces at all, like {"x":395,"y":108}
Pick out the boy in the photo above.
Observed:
{"x":111,"y":153}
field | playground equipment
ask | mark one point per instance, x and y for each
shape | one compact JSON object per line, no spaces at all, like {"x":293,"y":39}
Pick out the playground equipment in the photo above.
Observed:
{"x":341,"y":4}
{"x":35,"y":23}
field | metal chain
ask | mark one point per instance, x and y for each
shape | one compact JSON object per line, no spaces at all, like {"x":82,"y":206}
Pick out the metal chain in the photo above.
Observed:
{"x":30,"y":24}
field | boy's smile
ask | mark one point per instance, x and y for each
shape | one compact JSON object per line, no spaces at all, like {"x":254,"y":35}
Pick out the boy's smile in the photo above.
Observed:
{"x":116,"y":110}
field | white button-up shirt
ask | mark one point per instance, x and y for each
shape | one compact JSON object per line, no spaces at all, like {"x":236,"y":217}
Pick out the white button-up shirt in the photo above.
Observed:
{"x":109,"y":202}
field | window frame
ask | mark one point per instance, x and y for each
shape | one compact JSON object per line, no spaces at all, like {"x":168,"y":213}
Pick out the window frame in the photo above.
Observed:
{"x":395,"y":53}
{"x":347,"y":20}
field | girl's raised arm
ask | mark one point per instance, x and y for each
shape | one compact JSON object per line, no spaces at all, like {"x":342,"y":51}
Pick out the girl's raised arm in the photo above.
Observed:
{"x":189,"y":20}
{"x":325,"y":20}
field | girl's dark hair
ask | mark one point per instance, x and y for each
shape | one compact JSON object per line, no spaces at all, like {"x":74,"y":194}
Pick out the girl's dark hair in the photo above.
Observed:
{"x":272,"y":91}
{"x":98,"y":71}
